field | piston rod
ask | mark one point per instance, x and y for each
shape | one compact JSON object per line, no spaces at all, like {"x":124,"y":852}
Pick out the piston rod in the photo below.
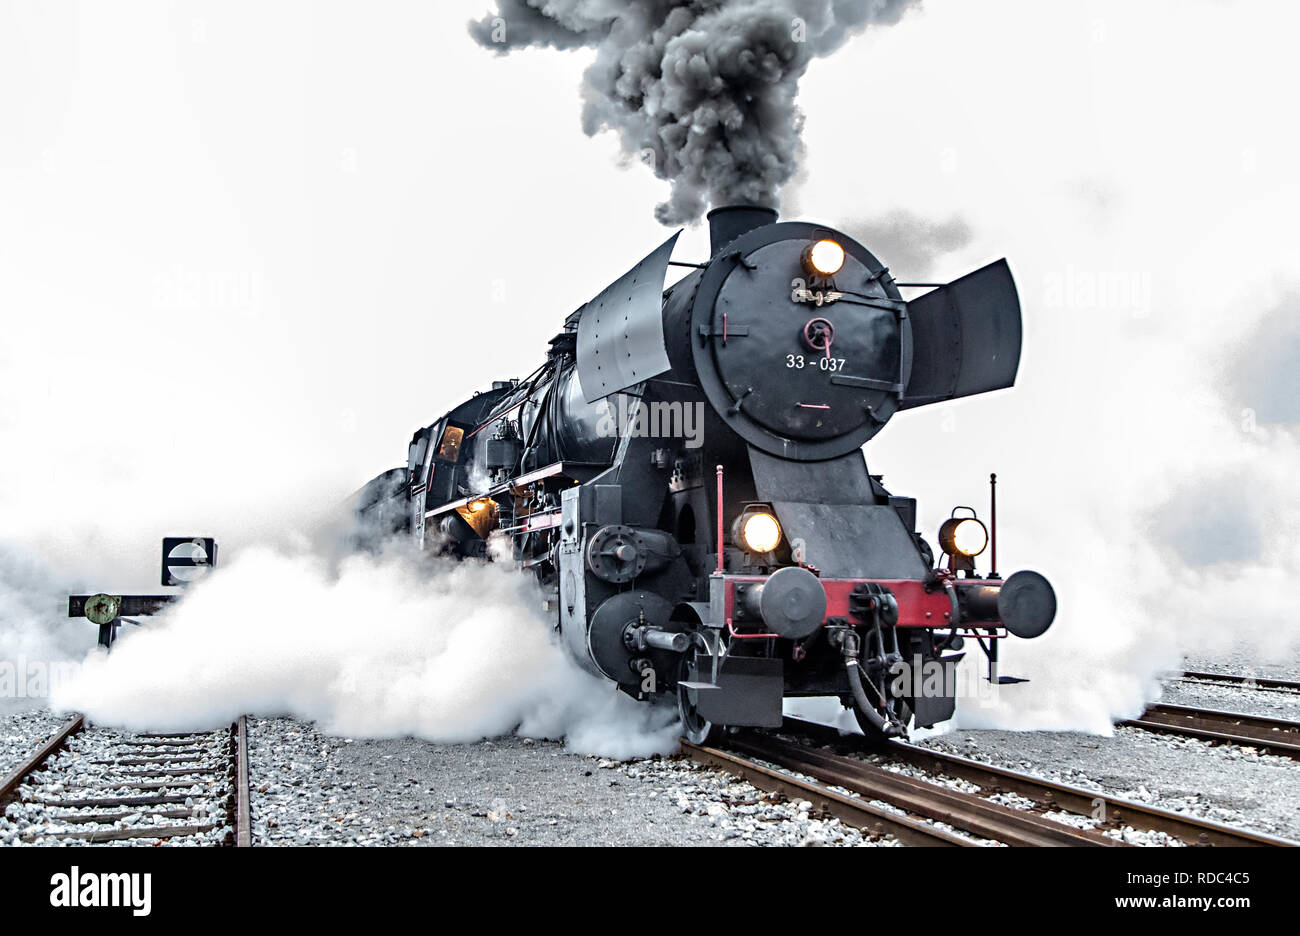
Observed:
{"x":652,"y":638}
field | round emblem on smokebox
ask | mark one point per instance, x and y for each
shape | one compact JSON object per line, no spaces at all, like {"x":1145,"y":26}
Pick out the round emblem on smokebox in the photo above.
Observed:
{"x":102,"y":609}
{"x":818,"y":335}
{"x":792,"y":603}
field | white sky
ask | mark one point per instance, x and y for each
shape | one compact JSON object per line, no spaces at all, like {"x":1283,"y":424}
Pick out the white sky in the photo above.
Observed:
{"x":247,"y":248}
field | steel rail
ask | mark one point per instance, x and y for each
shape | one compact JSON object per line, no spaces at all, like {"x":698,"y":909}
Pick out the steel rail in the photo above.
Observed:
{"x":243,"y":808}
{"x":1247,"y":682}
{"x":1274,"y":735}
{"x":969,"y":812}
{"x":9,"y":786}
{"x":158,"y":796}
{"x":1110,"y":811}
{"x":854,"y":812}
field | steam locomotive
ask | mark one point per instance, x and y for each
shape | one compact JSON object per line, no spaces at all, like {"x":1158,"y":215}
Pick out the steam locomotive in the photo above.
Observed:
{"x":683,"y":474}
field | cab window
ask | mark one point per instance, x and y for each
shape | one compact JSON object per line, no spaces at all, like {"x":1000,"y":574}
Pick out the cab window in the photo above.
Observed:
{"x":450,"y":449}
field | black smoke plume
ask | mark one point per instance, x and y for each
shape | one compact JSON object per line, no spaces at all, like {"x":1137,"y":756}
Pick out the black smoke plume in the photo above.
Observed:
{"x":701,"y":90}
{"x":910,"y":244}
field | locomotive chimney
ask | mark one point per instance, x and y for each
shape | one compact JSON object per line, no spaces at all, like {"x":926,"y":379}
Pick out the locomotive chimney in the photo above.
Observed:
{"x":730,"y":221}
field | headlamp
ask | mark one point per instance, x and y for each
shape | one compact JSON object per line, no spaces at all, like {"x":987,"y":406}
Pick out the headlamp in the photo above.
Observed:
{"x":760,"y":531}
{"x":963,"y":536}
{"x":824,"y":258}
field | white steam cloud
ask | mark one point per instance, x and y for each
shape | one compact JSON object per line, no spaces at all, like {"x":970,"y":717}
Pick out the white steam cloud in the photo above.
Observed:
{"x":1172,"y":520}
{"x":701,"y":90}
{"x":375,"y":646}
{"x":39,"y":643}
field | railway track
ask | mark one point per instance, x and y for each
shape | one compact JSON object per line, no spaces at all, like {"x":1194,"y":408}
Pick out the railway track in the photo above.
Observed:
{"x":976,"y":817}
{"x":1247,"y":682}
{"x":92,"y":784}
{"x":1272,"y":735}
{"x":870,"y":818}
{"x":971,"y":815}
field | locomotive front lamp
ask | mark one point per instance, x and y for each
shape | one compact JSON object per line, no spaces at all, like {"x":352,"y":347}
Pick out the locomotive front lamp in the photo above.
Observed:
{"x":964,"y":536}
{"x":824,"y":258}
{"x":760,"y":532}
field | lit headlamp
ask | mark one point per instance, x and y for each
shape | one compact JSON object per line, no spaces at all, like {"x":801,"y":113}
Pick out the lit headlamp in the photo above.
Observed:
{"x":759,"y":531}
{"x":823,"y":258}
{"x":963,"y":536}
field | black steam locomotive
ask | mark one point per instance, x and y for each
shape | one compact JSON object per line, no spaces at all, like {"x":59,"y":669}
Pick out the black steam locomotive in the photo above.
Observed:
{"x":684,"y":476}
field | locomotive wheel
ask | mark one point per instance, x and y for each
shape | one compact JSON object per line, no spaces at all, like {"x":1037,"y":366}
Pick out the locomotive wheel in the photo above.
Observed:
{"x":695,"y":727}
{"x":898,"y":707}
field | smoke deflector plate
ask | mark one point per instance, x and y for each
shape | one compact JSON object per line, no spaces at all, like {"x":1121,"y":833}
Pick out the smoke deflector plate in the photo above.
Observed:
{"x":965,"y":337}
{"x":621,"y":331}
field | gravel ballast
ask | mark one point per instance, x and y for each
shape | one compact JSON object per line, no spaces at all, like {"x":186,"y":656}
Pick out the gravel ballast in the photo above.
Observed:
{"x":312,"y":789}
{"x":1232,"y":785}
{"x":21,"y":733}
{"x":88,"y":769}
{"x":1271,"y":703}
{"x":308,"y":788}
